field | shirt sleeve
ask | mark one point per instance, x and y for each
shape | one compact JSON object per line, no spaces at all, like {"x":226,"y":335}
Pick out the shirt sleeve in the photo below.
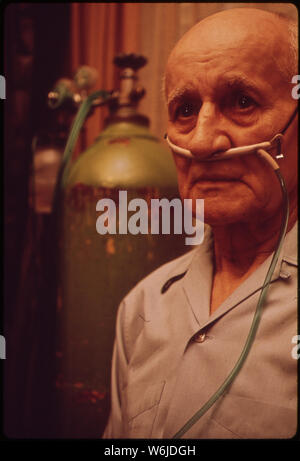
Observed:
{"x":114,"y":427}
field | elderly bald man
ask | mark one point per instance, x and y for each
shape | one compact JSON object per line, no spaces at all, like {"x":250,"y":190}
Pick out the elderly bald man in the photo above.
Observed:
{"x":181,"y":331}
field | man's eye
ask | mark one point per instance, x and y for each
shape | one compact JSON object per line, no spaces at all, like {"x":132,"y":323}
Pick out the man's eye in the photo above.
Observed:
{"x":244,"y":102}
{"x":187,"y":110}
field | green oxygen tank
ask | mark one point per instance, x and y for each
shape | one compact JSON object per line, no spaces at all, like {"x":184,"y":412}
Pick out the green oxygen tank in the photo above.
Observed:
{"x":96,"y":271}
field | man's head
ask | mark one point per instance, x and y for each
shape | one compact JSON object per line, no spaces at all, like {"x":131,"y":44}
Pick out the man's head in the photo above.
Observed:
{"x":228,"y":84}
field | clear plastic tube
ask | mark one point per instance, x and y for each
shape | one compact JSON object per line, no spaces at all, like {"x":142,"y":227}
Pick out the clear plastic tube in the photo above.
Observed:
{"x":256,"y":319}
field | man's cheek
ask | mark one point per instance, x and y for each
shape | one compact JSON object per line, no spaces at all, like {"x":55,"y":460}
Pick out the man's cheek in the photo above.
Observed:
{"x":183,"y":187}
{"x":182,"y":168}
{"x":182,"y":164}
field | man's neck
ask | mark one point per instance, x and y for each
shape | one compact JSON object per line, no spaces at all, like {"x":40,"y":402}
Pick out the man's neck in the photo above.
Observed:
{"x":239,"y":249}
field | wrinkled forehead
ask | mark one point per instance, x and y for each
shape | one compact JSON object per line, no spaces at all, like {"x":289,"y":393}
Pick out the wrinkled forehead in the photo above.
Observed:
{"x":211,"y":68}
{"x":230,"y":44}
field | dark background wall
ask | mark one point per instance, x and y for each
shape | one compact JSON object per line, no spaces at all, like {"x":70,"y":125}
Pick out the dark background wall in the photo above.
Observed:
{"x":36,"y":44}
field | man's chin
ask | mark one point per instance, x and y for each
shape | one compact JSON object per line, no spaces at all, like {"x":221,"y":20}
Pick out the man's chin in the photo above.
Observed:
{"x":223,"y":215}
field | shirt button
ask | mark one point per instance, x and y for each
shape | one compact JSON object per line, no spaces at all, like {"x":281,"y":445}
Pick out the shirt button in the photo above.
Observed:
{"x":199,"y":338}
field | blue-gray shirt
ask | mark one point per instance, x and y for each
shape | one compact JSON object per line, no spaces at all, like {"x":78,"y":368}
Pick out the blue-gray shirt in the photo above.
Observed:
{"x":171,"y":355}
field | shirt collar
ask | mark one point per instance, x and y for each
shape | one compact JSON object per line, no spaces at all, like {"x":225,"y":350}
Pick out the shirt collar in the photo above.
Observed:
{"x":197,"y":283}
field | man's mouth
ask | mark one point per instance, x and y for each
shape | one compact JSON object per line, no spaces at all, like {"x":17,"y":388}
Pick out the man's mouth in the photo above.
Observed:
{"x":215,"y":178}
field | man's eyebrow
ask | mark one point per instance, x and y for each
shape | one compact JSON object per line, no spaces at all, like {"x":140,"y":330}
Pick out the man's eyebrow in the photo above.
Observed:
{"x":238,"y":82}
{"x":179,"y":93}
{"x":226,"y":82}
{"x":233,"y":82}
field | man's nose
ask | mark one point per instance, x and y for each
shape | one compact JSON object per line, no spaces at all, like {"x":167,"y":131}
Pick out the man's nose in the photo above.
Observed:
{"x":210,"y":134}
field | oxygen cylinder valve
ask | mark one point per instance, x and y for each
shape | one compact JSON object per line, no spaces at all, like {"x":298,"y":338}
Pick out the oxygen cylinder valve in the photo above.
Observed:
{"x":64,"y":90}
{"x":122,"y":103}
{"x":72,"y":93}
{"x":130,"y":93}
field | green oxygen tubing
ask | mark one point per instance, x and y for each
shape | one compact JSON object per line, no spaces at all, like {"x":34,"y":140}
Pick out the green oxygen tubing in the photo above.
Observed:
{"x":98,"y":98}
{"x":256,"y":318}
{"x":261,"y":150}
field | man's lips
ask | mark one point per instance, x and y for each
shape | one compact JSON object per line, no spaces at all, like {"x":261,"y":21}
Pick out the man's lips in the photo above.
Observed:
{"x":215,"y":178}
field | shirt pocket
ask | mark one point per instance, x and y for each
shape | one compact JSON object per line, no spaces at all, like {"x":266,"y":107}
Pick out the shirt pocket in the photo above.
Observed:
{"x":139,"y":408}
{"x":248,"y":418}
